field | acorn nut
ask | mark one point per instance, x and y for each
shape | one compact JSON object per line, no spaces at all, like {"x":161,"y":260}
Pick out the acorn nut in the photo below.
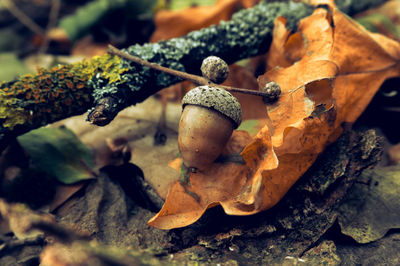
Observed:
{"x":215,"y":69}
{"x":208,"y":119}
{"x":274,"y":92}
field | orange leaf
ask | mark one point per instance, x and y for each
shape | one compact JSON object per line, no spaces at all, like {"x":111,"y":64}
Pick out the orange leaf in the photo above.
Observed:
{"x":170,"y":24}
{"x":328,"y":72}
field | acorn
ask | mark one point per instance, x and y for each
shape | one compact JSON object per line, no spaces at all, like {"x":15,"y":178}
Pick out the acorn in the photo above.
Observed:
{"x":209,"y":116}
{"x":274,"y":92}
{"x":214,"y":69}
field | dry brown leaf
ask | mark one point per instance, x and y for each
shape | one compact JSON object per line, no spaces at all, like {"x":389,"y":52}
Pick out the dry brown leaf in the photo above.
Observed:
{"x":63,"y":193}
{"x":20,"y":219}
{"x":170,"y":24}
{"x":249,"y":3}
{"x":88,"y":48}
{"x":328,"y":71}
{"x":294,"y":46}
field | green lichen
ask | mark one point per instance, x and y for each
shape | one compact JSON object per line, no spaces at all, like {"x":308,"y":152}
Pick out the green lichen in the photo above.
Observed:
{"x":9,"y":115}
{"x":49,"y":95}
{"x":52,"y":94}
{"x":108,"y":67}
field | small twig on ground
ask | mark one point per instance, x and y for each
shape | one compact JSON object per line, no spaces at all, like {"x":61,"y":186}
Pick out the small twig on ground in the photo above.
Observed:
{"x":53,"y":15}
{"x":62,"y":233}
{"x":23,"y":18}
{"x":13,"y":244}
{"x":194,"y":78}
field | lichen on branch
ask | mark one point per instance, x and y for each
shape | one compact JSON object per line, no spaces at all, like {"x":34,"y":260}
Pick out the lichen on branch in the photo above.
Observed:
{"x":49,"y":94}
{"x":247,"y":34}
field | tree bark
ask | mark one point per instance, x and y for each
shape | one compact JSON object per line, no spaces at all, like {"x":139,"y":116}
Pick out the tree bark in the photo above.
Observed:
{"x":108,"y":84}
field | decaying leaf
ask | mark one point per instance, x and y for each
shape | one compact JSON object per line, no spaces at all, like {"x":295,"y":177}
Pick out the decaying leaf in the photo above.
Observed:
{"x":63,"y":193}
{"x":171,"y":24}
{"x":59,"y":153}
{"x":20,"y":219}
{"x":93,"y":253}
{"x":371,"y":208}
{"x":328,"y":72}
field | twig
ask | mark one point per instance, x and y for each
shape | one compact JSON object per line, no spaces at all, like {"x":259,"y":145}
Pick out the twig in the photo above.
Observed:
{"x":194,"y":78}
{"x":14,"y":244}
{"x":53,"y":15}
{"x":62,"y":233}
{"x":23,"y":18}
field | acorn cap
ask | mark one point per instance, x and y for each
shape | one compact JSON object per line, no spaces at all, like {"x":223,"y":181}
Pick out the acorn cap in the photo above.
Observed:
{"x":216,"y":99}
{"x":215,"y":69}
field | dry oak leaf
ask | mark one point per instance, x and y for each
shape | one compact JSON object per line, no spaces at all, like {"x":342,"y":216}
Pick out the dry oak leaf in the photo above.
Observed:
{"x":170,"y":24}
{"x":331,"y":80}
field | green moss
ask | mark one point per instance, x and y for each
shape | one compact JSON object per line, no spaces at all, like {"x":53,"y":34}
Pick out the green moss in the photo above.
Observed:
{"x":53,"y":94}
{"x":35,"y":100}
{"x":107,"y":67}
{"x":8,"y":114}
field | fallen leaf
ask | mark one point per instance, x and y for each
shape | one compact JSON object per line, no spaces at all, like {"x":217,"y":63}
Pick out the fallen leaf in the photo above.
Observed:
{"x":328,"y":73}
{"x":86,"y":47}
{"x":20,"y":219}
{"x":170,"y":24}
{"x":94,"y":253}
{"x":59,"y":153}
{"x":63,"y":193}
{"x":371,"y":208}
{"x":295,"y":46}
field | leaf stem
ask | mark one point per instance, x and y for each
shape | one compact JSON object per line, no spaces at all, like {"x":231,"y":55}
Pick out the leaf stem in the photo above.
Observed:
{"x":194,"y":78}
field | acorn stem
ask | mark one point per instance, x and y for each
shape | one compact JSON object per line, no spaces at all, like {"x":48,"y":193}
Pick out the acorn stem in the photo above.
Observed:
{"x":194,"y":78}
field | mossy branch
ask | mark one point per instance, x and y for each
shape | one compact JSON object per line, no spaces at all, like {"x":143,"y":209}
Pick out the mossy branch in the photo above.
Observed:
{"x":109,"y":84}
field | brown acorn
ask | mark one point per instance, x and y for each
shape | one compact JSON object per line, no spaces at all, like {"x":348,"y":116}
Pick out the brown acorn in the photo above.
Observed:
{"x":215,"y":69}
{"x":208,"y":119}
{"x":274,"y":92}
